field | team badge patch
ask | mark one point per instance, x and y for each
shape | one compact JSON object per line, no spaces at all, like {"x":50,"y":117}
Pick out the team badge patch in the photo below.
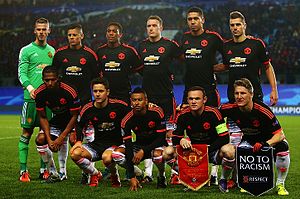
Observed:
{"x":121,"y":56}
{"x":82,"y":61}
{"x":204,"y":43}
{"x":161,"y":50}
{"x":247,"y":51}
{"x":50,"y":55}
{"x":193,"y":166}
{"x":255,"y":170}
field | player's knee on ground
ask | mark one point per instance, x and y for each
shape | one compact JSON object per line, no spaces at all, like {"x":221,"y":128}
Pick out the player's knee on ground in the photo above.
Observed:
{"x":157,"y":156}
{"x":72,"y":138}
{"x":107,"y":157}
{"x":168,"y":153}
{"x":41,"y":139}
{"x":118,"y":157}
{"x":228,"y":151}
{"x":76,"y":154}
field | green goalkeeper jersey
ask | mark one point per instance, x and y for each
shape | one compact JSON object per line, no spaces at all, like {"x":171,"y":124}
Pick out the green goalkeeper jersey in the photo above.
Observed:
{"x":32,"y":60}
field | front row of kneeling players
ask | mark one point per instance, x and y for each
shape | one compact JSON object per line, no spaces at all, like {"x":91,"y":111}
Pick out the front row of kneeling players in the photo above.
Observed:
{"x":143,"y":130}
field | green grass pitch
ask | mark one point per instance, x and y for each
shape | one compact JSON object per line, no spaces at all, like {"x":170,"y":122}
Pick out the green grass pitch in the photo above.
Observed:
{"x":10,"y":187}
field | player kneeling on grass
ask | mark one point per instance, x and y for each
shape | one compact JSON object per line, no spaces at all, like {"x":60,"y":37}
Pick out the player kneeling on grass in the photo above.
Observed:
{"x":147,"y":124}
{"x":260,"y":127}
{"x":205,"y":125}
{"x":63,"y":101}
{"x":105,"y":116}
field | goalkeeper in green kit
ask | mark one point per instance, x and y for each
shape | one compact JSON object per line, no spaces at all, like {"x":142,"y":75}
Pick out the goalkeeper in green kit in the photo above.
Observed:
{"x":32,"y":59}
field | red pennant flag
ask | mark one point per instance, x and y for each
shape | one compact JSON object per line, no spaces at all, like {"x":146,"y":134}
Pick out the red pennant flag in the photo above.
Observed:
{"x":193,"y":166}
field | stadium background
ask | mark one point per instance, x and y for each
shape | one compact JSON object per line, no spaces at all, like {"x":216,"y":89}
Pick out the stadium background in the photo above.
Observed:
{"x":276,"y":22}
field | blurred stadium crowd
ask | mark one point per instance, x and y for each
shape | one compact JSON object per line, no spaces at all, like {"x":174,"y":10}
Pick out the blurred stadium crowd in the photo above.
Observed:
{"x":277,"y":23}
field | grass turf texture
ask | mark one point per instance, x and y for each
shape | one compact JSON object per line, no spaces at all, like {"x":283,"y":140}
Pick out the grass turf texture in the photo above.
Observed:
{"x":10,"y":187}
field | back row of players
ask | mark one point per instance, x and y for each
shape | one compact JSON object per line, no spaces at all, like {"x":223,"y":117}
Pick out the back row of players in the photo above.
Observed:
{"x":77,"y":65}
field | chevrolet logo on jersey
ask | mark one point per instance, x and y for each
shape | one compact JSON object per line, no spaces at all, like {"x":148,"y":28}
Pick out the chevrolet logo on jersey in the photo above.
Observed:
{"x":151,"y":58}
{"x":112,"y":64}
{"x":193,"y":51}
{"x":237,"y":60}
{"x":73,"y":69}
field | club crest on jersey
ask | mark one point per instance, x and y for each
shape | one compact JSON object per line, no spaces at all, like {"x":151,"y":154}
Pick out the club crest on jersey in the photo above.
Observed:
{"x":206,"y":125}
{"x":121,"y":56}
{"x":151,"y":124}
{"x":50,"y":55}
{"x":247,"y":51}
{"x":204,"y":43}
{"x":256,"y":123}
{"x":161,"y":50}
{"x":112,"y":115}
{"x":83,"y":61}
{"x":62,"y":101}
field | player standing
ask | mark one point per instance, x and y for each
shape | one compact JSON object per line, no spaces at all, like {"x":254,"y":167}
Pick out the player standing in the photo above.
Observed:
{"x":32,"y":60}
{"x":117,"y":61}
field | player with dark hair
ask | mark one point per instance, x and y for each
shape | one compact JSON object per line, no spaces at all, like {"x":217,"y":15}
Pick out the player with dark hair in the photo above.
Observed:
{"x":32,"y":59}
{"x":63,"y":101}
{"x":200,"y":47}
{"x":259,"y":126}
{"x":117,"y":61}
{"x":144,"y":134}
{"x":245,"y":57}
{"x":205,"y":125}
{"x":105,"y":115}
{"x":77,"y":63}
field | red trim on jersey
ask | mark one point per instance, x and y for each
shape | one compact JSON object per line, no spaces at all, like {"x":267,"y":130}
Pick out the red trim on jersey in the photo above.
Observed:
{"x":215,"y":33}
{"x":85,"y":107}
{"x":126,"y":118}
{"x":40,"y":88}
{"x":218,"y":97}
{"x":127,"y":137}
{"x":263,"y":110}
{"x":215,"y":111}
{"x":228,"y":40}
{"x":110,"y":100}
{"x":266,"y":63}
{"x":69,"y":89}
{"x":164,"y":38}
{"x":158,"y":110}
{"x":228,"y":106}
{"x":131,"y":47}
{"x":187,"y":32}
{"x":223,"y":134}
{"x":283,"y":153}
{"x":278,"y":131}
{"x":102,"y":46}
{"x":138,"y":68}
{"x":90,"y":51}
{"x":255,"y":38}
{"x":75,"y":109}
{"x":186,"y":110}
{"x":161,"y":130}
{"x":40,"y":109}
{"x":62,"y":48}
{"x":173,"y":116}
